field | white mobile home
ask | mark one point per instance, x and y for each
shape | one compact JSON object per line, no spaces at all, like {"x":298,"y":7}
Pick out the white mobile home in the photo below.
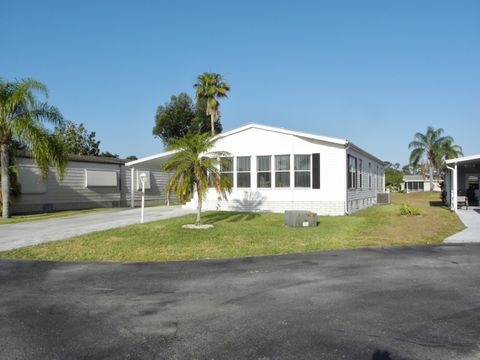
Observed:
{"x":416,"y":183}
{"x":274,"y":169}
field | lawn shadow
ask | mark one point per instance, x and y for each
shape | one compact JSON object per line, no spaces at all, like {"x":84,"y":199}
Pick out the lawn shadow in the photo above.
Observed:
{"x":436,"y":203}
{"x":229,"y":216}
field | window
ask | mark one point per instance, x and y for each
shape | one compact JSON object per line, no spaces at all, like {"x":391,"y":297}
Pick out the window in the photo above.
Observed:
{"x":243,"y":171}
{"x":226,"y":169}
{"x":369,"y":175}
{"x":264,"y":171}
{"x":352,"y":172}
{"x":282,"y":171}
{"x":302,"y":170}
{"x":360,"y":173}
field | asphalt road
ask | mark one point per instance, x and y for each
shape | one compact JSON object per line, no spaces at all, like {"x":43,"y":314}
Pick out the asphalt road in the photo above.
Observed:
{"x":395,"y":303}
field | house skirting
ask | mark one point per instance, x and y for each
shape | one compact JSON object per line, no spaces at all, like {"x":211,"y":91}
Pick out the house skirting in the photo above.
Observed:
{"x":319,"y":207}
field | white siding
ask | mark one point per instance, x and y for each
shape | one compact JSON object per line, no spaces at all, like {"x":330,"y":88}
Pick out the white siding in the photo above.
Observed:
{"x":71,"y":192}
{"x":365,"y":196}
{"x":328,"y":200}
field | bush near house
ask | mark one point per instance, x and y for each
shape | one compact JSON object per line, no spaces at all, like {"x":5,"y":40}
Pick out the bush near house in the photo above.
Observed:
{"x":408,"y":210}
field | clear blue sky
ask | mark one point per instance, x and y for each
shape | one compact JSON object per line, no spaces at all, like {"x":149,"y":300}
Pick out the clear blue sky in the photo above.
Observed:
{"x":374,"y":72}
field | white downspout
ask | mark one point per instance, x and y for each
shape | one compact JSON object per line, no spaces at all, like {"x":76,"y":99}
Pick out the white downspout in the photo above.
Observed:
{"x":453,"y":190}
{"x":345,"y":178}
{"x":132,"y":188}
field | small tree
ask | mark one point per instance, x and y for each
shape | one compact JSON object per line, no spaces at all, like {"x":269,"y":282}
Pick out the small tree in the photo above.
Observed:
{"x":195,"y":167}
{"x":22,"y":118}
{"x":181,"y":116}
{"x":393,"y":177}
{"x":77,"y":139}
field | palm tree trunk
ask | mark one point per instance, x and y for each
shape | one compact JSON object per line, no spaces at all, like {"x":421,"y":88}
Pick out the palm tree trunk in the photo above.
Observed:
{"x":199,"y":209}
{"x":4,"y":163}
{"x":431,"y":175}
{"x":212,"y":119}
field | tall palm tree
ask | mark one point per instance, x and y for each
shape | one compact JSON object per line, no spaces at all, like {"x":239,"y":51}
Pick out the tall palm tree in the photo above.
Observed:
{"x":195,"y":168}
{"x":22,"y":118}
{"x":427,"y":146}
{"x":211,"y":87}
{"x":450,"y":151}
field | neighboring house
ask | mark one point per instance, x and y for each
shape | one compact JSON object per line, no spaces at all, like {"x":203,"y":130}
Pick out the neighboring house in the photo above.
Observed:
{"x":274,"y":169}
{"x":89,"y":182}
{"x":463,"y":180}
{"x":415,"y":183}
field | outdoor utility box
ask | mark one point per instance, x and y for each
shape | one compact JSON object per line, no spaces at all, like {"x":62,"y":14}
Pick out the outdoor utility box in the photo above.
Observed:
{"x":299,"y":218}
{"x":383,"y":198}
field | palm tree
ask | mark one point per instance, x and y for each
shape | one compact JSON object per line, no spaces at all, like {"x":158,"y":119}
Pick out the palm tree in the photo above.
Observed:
{"x":450,"y":151}
{"x":427,"y":146}
{"x":22,"y":118}
{"x":211,"y":87}
{"x":195,"y":168}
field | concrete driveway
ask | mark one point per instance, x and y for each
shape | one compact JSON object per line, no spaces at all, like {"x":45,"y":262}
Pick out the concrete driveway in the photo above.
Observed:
{"x":35,"y":232}
{"x":471,"y":219}
{"x":395,"y":303}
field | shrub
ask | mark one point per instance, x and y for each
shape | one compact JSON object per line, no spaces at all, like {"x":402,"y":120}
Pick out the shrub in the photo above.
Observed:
{"x":409,"y":210}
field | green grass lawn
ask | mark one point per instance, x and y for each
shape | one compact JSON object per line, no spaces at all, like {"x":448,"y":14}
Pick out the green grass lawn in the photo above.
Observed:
{"x":49,"y":215}
{"x":245,"y":234}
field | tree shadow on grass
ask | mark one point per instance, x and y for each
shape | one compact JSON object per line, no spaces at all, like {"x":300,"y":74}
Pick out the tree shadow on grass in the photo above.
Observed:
{"x":229,"y":217}
{"x":436,"y":203}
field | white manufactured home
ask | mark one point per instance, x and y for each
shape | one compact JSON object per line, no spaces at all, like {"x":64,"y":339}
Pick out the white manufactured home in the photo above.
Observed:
{"x":274,"y":169}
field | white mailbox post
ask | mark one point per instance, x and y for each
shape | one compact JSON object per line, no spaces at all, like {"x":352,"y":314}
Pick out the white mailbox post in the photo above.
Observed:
{"x":143,"y":179}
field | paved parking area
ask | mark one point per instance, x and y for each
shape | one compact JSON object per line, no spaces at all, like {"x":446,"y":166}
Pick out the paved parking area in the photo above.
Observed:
{"x":35,"y":232}
{"x":471,"y":219}
{"x":374,"y":304}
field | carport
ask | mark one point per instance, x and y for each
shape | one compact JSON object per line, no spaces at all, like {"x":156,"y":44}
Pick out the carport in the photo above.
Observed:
{"x":143,"y":165}
{"x":463,"y":180}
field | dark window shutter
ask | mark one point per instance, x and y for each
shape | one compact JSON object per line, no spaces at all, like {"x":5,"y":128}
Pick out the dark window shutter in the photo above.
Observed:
{"x":315,"y":171}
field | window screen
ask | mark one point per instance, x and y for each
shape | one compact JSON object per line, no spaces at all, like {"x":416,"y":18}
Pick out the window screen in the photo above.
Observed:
{"x":264,"y":173}
{"x":243,"y":171}
{"x":302,"y":170}
{"x":282,"y":171}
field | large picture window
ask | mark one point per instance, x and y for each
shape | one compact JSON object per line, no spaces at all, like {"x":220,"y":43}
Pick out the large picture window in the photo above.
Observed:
{"x":282,"y":171}
{"x":243,"y":172}
{"x":264,"y":171}
{"x":352,"y":172}
{"x":226,"y":169}
{"x":302,"y":170}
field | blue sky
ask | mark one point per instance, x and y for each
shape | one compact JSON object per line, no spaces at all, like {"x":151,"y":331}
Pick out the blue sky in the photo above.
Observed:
{"x":374,"y":72}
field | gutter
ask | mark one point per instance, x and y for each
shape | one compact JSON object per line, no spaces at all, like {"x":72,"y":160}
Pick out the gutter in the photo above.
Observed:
{"x":347,"y":146}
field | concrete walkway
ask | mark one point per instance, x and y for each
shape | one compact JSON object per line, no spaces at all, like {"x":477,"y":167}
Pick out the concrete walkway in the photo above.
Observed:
{"x":35,"y":232}
{"x":471,"y":219}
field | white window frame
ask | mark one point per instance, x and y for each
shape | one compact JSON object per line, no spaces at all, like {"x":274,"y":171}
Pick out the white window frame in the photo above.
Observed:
{"x":243,"y":172}
{"x":289,"y":171}
{"x":304,"y":171}
{"x":258,"y":172}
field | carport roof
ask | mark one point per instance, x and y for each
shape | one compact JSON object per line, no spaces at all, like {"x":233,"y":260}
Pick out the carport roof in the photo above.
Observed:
{"x":153,"y":161}
{"x":463,"y":159}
